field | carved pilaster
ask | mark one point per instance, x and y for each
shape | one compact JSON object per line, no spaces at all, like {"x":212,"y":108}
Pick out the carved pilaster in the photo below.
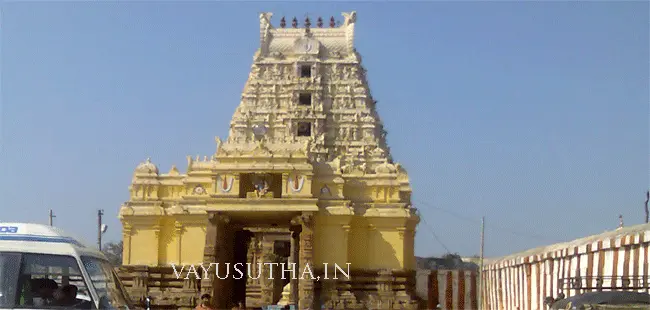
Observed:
{"x":285,"y":184}
{"x":293,"y":261}
{"x":126,"y":243}
{"x":178,"y":232}
{"x":306,"y":284}
{"x":253,"y":258}
{"x":267,"y":277}
{"x":156,"y":232}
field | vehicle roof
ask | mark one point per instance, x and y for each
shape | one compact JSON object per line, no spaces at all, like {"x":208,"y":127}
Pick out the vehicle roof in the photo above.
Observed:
{"x":39,"y":238}
{"x":615,"y":297}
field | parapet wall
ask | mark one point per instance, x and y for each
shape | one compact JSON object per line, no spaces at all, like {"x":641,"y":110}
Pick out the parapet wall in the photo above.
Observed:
{"x":166,"y":289}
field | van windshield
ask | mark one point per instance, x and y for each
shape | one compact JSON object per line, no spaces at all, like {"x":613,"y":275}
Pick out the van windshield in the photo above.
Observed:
{"x":108,"y":287}
{"x":35,"y":280}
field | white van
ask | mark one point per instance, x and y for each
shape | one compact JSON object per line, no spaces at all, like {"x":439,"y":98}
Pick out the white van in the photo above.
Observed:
{"x":41,"y":267}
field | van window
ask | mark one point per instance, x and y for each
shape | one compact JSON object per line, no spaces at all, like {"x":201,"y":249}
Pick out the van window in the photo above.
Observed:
{"x":42,"y":281}
{"x":9,"y":269}
{"x":109,"y":289}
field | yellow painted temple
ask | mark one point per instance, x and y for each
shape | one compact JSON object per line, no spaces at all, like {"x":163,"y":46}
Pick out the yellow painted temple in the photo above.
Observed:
{"x":305,"y":176}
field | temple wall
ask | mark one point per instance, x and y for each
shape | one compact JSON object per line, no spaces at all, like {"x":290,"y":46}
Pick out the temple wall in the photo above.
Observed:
{"x":144,"y":247}
{"x":331,"y":238}
{"x":167,"y":243}
{"x":176,"y":240}
{"x":409,"y":250}
{"x":365,"y":243}
{"x":193,"y":243}
{"x":358,"y":243}
{"x":352,"y":239}
{"x":385,"y":249}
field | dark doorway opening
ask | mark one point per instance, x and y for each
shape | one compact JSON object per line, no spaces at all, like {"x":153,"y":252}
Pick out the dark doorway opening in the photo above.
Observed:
{"x":305,"y":71}
{"x":304,"y":99}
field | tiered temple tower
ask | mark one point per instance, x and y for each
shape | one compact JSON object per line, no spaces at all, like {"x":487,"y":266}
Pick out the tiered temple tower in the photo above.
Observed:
{"x":304,"y":176}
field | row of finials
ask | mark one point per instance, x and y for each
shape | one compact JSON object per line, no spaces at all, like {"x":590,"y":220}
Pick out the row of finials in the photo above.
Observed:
{"x":319,"y":23}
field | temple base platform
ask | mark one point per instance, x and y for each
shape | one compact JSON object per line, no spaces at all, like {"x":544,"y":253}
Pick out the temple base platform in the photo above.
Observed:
{"x":364,"y":289}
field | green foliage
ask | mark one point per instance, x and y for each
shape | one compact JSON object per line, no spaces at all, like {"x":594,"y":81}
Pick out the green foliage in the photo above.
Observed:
{"x":113,"y":252}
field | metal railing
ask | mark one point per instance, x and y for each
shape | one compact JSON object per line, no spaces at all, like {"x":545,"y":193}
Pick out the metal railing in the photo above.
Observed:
{"x":598,"y":283}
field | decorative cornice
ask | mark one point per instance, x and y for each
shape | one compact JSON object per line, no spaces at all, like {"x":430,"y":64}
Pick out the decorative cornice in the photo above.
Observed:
{"x":126,"y":229}
{"x":217,"y":218}
{"x":304,"y":219}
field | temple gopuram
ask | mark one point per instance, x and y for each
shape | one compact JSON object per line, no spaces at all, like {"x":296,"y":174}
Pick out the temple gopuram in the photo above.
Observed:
{"x":305,"y":176}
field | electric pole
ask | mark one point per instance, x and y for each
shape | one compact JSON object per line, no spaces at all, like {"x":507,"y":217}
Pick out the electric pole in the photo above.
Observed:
{"x":99,"y":228}
{"x":480,"y":273}
{"x":51,"y":216}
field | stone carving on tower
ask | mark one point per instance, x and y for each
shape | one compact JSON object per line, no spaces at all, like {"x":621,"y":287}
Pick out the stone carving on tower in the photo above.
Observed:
{"x":314,"y":97}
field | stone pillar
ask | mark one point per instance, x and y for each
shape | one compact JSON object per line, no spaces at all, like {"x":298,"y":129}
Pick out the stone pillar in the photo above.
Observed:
{"x":216,"y":251}
{"x":293,"y":260}
{"x":306,"y":285}
{"x":253,"y":290}
{"x":209,"y":253}
{"x":268,"y":278}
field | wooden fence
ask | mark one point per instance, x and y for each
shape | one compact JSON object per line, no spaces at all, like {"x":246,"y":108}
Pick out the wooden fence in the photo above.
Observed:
{"x":615,"y":260}
{"x":453,"y":289}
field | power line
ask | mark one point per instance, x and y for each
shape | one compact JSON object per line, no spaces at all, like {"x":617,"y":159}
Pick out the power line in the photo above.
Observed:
{"x":434,"y":235}
{"x":490,"y":227}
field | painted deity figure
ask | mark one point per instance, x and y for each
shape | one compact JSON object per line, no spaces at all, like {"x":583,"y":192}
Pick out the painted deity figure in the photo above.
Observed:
{"x":261,"y":187}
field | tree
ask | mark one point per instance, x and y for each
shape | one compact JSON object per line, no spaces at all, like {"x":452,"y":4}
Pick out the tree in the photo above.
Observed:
{"x":113,"y":252}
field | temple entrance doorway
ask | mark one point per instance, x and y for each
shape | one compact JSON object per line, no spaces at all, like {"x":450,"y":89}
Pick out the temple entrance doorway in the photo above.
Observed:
{"x":257,"y":242}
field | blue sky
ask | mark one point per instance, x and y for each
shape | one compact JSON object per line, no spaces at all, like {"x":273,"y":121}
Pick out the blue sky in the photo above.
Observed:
{"x":532,"y":114}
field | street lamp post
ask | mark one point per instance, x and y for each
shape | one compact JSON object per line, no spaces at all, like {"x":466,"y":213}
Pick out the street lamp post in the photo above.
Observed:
{"x":101,"y":228}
